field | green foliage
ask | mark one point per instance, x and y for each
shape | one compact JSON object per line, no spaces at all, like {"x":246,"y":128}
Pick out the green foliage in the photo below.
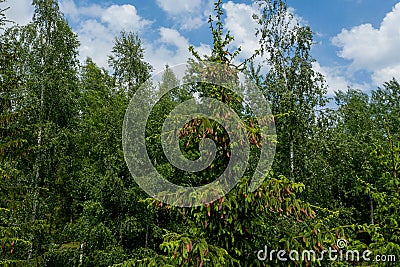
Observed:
{"x":291,"y":85}
{"x":127,"y":62}
{"x":386,"y":107}
{"x":68,"y":199}
{"x":385,"y":232}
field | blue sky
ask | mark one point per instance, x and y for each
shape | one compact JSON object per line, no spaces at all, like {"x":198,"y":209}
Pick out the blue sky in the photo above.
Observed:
{"x":356,"y":41}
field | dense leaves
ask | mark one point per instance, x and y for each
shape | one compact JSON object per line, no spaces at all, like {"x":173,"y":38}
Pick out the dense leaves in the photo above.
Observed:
{"x":67,"y":197}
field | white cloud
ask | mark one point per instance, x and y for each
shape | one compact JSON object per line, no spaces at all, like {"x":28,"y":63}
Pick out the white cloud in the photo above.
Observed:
{"x":239,"y":21}
{"x":172,"y":36}
{"x":333,"y":77}
{"x":171,"y":48}
{"x":118,"y":17}
{"x":20,"y":11}
{"x":69,"y":8}
{"x":76,"y":13}
{"x":123,"y":17}
{"x":383,"y":75}
{"x":371,"y":49}
{"x":96,"y":41}
{"x":188,"y":15}
{"x":175,"y":7}
{"x":338,"y":79}
{"x":98,"y":26}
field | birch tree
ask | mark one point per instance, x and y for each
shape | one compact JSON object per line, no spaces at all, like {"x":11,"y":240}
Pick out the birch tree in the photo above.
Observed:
{"x":49,"y":67}
{"x":291,"y":85}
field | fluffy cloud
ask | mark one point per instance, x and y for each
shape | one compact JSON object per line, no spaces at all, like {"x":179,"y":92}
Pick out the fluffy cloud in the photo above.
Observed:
{"x":20,"y":11}
{"x":188,"y":15}
{"x":123,"y":17}
{"x":97,"y":27}
{"x":383,"y":75}
{"x":76,"y":13}
{"x":333,"y":77}
{"x":338,"y":79}
{"x":171,"y":48}
{"x":239,"y":21}
{"x":96,"y":41}
{"x":172,"y":36}
{"x":375,"y":50}
{"x":179,"y":6}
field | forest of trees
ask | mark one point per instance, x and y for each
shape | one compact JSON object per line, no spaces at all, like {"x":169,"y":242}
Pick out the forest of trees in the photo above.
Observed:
{"x":67,"y":197}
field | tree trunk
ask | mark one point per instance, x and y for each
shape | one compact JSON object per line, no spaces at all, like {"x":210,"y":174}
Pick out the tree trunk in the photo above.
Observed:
{"x":291,"y":157}
{"x":371,"y":201}
{"x":81,"y":255}
{"x":37,"y":170}
{"x":147,"y":235}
